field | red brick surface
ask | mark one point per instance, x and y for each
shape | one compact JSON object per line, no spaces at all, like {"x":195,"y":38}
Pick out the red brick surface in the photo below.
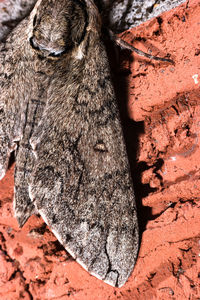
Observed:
{"x":165,"y":159}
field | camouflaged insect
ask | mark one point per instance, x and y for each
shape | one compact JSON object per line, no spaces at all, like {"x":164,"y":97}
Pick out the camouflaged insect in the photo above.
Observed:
{"x":59,"y":114}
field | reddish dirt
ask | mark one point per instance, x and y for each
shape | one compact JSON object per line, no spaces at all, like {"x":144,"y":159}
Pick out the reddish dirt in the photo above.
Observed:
{"x":163,"y":146}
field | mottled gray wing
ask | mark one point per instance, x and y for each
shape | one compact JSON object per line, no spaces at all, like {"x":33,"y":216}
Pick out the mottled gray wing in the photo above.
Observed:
{"x":22,"y":99}
{"x":10,"y":110}
{"x":81,"y":183}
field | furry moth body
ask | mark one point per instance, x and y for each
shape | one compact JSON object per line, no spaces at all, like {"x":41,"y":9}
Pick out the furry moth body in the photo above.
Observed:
{"x":58,"y":113}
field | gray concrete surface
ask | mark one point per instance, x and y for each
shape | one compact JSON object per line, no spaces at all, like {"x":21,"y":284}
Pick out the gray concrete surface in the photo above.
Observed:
{"x":124,"y":14}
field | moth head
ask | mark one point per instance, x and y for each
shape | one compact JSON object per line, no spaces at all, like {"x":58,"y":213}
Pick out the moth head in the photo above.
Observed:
{"x":58,"y":26}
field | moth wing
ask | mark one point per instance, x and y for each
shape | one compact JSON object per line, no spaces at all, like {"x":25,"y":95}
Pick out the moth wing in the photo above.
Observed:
{"x":23,"y":206}
{"x":10,"y":108}
{"x":21,"y":106}
{"x":81,"y":183}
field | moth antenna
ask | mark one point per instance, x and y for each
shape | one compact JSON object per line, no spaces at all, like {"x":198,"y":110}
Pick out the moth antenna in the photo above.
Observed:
{"x":124,"y":45}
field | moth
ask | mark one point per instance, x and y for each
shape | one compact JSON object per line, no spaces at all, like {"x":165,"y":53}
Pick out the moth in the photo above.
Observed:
{"x":59,"y":115}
